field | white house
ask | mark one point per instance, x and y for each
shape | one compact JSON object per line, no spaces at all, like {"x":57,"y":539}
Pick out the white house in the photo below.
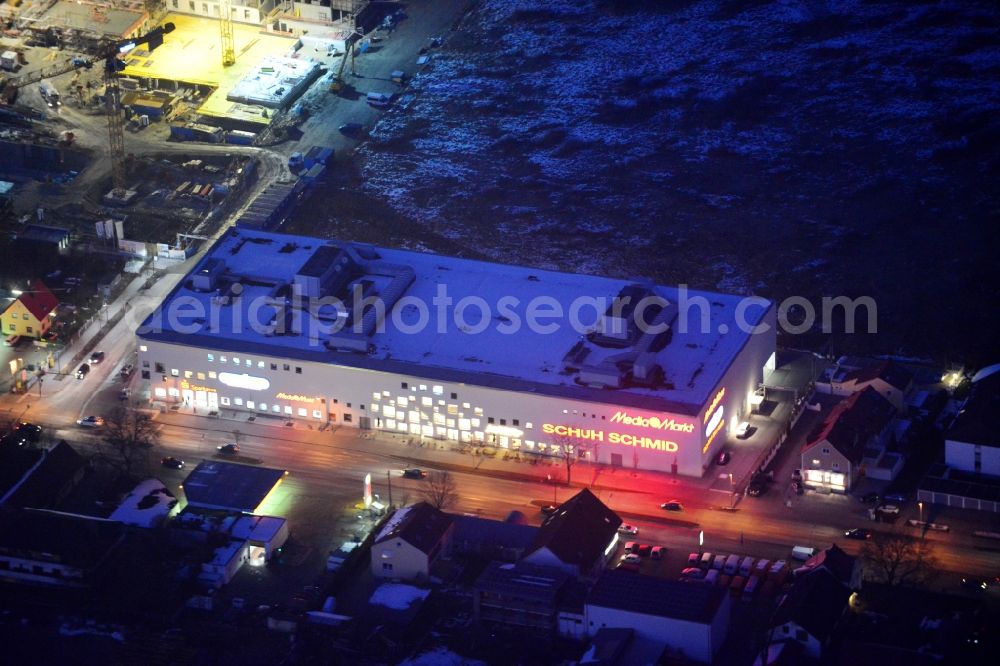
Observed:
{"x":972,"y":443}
{"x":409,"y":542}
{"x":688,"y":619}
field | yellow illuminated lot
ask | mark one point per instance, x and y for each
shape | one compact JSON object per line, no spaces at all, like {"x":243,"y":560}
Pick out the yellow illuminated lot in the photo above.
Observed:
{"x":192,"y":54}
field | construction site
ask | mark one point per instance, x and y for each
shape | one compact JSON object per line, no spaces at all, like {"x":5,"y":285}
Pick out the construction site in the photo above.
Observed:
{"x":169,"y":116}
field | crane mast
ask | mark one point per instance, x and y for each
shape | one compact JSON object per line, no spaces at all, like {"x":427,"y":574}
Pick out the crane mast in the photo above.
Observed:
{"x":226,"y":29}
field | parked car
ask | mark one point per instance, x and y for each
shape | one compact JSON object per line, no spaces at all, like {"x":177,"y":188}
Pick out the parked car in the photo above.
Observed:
{"x":723,"y":458}
{"x":643,"y":549}
{"x":126,"y":370}
{"x":91,"y":421}
{"x":658,"y":552}
{"x":694,"y":559}
{"x":414,"y":473}
{"x":625,"y":528}
{"x":124,"y":394}
{"x":96,"y":357}
{"x":869,"y":498}
{"x":762,"y":566}
{"x":742,"y":429}
{"x":631,"y":558}
{"x":229,"y":448}
{"x":692,"y":572}
{"x":173,"y":463}
{"x":672,"y":505}
{"x":350,"y":129}
{"x":82,"y":371}
{"x":777,"y":567}
{"x":858,"y":533}
{"x":630,"y":546}
{"x":889,"y":508}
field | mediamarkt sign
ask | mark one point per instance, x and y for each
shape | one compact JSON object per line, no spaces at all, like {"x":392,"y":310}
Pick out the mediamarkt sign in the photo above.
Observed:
{"x":653,"y":422}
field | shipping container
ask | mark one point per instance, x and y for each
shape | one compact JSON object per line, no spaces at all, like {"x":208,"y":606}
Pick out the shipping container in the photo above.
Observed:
{"x":241,"y":138}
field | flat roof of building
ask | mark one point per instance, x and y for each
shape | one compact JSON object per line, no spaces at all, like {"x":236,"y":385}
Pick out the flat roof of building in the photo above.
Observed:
{"x":190,"y":55}
{"x":494,"y":346}
{"x":215,"y":484}
{"x":634,"y":592}
{"x":78,"y":541}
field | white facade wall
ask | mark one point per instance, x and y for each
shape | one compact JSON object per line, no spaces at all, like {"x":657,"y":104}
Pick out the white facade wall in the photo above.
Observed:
{"x":396,"y":559}
{"x":40,"y":572}
{"x":419,"y":407}
{"x":962,"y":456}
{"x":695,"y":640}
{"x":313,"y":12}
{"x":251,"y":11}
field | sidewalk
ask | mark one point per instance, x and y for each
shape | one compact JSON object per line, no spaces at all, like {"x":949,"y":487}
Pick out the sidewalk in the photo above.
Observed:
{"x":448,"y":456}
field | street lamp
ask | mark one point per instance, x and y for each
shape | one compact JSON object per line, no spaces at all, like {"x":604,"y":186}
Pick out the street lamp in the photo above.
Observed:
{"x":732,"y":492}
{"x":920,"y":505}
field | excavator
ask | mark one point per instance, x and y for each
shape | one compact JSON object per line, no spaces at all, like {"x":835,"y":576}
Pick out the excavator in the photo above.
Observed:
{"x":338,"y":85}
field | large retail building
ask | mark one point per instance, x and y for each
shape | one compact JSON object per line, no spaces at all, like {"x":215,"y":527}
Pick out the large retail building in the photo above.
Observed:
{"x":614,"y":371}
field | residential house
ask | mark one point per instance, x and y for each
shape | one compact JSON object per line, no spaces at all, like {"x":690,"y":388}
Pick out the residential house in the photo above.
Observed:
{"x":686,"y":619}
{"x":522,"y":596}
{"x":578,"y":537}
{"x":972,"y":443}
{"x":844,"y":567}
{"x":810,"y":612}
{"x":856,"y":429}
{"x":410,"y":541}
{"x":913,"y":626}
{"x":32,"y":312}
{"x":491,"y":539}
{"x":53,"y":475}
{"x":891,"y":380}
{"x":43,"y":548}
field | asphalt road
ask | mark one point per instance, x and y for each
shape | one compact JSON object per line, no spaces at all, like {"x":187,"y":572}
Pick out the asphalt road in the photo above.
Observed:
{"x":330,"y":465}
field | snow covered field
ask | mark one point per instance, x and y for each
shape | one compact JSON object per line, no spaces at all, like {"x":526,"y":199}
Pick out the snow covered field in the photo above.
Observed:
{"x":782,"y":147}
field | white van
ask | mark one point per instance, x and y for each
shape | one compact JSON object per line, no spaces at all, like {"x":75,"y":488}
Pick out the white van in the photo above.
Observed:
{"x":732,"y":565}
{"x":711,"y":577}
{"x":802,"y":553}
{"x":719,"y":562}
{"x":378,"y":99}
{"x":706,"y":560}
{"x":746,"y":566}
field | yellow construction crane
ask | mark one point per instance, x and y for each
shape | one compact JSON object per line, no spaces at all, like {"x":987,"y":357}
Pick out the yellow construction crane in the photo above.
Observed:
{"x":226,"y":29}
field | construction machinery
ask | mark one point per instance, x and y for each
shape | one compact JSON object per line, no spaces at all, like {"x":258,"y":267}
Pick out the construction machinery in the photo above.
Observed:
{"x":109,"y":53}
{"x":338,"y":85}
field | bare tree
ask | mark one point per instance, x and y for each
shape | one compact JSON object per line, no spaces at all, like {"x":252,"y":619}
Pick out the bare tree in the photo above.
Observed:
{"x":440,"y":490}
{"x":898,"y":559}
{"x":128,"y":442}
{"x":570,"y":451}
